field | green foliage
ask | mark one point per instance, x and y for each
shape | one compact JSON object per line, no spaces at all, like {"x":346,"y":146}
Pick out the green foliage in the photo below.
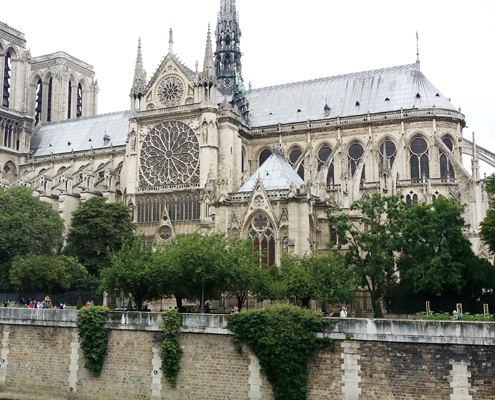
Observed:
{"x":51,"y":273}
{"x":487,"y":232}
{"x":192,"y":264}
{"x":98,"y":229}
{"x":94,"y":337}
{"x":132,"y":271}
{"x":28,"y":225}
{"x":79,"y":303}
{"x":372,"y":235}
{"x":283,"y":337}
{"x":317,"y":276}
{"x":171,"y":352}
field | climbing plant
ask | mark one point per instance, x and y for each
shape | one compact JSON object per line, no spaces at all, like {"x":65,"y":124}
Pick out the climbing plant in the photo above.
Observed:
{"x":284,"y":338}
{"x":94,"y":337}
{"x":171,"y":352}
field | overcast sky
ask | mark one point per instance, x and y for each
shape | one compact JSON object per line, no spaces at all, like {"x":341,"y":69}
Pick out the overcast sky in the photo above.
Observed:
{"x":282,"y":41}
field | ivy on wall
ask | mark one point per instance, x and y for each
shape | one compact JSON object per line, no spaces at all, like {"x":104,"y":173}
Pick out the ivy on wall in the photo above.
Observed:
{"x":171,"y":352}
{"x":94,"y":337}
{"x":284,"y":339}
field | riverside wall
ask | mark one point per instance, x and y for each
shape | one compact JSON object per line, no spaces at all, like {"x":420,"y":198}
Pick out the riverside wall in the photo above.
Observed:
{"x":40,"y":358}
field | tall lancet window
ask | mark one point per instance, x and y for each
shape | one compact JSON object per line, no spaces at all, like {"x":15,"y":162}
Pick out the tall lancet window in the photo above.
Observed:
{"x":419,"y":160}
{"x":294,"y":155}
{"x":69,"y":100}
{"x":79,"y":101}
{"x":387,"y":156}
{"x":262,"y":234}
{"x":446,"y":169}
{"x":6,"y":79}
{"x":323,"y":155}
{"x":355,"y":154}
{"x":39,"y":102}
{"x":264,"y":156}
{"x":49,"y":108}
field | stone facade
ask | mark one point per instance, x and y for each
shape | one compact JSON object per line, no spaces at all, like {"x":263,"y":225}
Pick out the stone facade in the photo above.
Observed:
{"x":373,"y":359}
{"x":181,"y":157}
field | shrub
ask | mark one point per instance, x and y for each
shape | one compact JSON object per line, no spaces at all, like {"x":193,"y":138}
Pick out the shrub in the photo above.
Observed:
{"x":171,"y":352}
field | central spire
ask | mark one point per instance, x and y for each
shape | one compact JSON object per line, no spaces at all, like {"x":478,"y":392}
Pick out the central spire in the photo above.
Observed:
{"x":228,"y":52}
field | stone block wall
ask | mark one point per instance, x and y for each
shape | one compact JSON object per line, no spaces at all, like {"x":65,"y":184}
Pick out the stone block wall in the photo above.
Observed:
{"x":40,"y":357}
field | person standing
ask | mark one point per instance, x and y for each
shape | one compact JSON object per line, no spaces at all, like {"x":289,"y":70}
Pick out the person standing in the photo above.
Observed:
{"x":343,"y":312}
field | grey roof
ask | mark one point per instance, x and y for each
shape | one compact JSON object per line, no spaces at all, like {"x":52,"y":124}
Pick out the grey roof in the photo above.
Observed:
{"x":306,"y":100}
{"x":275,"y":174}
{"x":81,"y":134}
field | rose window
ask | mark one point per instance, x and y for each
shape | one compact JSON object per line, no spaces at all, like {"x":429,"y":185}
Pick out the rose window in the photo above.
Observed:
{"x":164,"y":232}
{"x":170,"y":155}
{"x":170,"y":90}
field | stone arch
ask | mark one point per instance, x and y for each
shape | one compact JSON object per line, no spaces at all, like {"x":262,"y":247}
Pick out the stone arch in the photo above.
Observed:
{"x":261,"y":229}
{"x":355,"y":153}
{"x":263,"y":155}
{"x":9,"y":171}
{"x":419,"y":157}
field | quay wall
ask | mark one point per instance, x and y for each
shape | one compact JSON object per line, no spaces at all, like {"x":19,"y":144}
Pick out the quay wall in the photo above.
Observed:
{"x":41,"y":358}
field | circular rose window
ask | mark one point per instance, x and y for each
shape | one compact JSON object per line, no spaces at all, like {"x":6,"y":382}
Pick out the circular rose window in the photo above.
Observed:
{"x":170,"y":90}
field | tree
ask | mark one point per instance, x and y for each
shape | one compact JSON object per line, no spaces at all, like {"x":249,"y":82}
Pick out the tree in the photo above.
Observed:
{"x":28,"y":225}
{"x":317,"y":276}
{"x":487,"y":232}
{"x":437,"y":259}
{"x":194,"y":266}
{"x":132,"y":271}
{"x":97,"y":229}
{"x":245,"y":276}
{"x":51,"y":273}
{"x":371,"y":235}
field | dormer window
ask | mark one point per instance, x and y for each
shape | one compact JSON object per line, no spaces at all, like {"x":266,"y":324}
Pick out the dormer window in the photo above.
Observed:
{"x":357,"y":104}
{"x":106,"y":139}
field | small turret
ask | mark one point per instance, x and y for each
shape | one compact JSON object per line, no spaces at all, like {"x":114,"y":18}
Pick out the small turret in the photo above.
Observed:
{"x":139,"y":82}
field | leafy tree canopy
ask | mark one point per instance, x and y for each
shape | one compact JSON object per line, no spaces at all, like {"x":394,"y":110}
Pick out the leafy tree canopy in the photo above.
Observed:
{"x":48,"y":272}
{"x":133,"y":271}
{"x":487,"y":232}
{"x":317,"y":276}
{"x":371,"y":231}
{"x":97,"y":229}
{"x":28,"y":225}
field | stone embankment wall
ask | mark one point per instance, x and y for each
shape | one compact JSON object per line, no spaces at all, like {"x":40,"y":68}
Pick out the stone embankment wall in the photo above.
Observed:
{"x":40,"y":358}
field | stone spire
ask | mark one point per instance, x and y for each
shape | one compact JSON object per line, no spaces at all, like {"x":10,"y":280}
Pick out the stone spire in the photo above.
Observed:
{"x":228,"y":52}
{"x":209,"y":62}
{"x":170,"y":42}
{"x":417,"y":51}
{"x":139,"y":82}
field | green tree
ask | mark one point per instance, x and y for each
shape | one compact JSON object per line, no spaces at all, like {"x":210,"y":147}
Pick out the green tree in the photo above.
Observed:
{"x":97,"y":229}
{"x":487,"y":232}
{"x":437,"y":260}
{"x":371,"y":234}
{"x":132,"y":271}
{"x":51,"y":273}
{"x":317,"y":276}
{"x":28,"y":225}
{"x":245,"y":276}
{"x":194,"y":266}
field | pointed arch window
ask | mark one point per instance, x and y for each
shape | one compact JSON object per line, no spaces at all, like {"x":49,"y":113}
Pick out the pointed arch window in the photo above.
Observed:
{"x":447,"y":172}
{"x":49,"y":108}
{"x":294,"y":155}
{"x":355,"y":155}
{"x":264,"y":156}
{"x":261,"y":233}
{"x":7,"y":79}
{"x":323,"y":155}
{"x":79,"y":108}
{"x":411,"y":198}
{"x":419,"y":160}
{"x":39,"y":102}
{"x":69,"y":100}
{"x":388,"y":151}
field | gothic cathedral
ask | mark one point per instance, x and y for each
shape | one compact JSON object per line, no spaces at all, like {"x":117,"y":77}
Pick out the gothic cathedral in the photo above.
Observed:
{"x":197,"y":150}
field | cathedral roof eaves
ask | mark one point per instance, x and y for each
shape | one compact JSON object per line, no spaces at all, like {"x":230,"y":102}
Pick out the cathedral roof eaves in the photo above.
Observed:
{"x":64,"y":55}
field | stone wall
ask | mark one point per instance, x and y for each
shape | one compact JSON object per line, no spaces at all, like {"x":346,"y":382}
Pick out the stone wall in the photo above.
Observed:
{"x":40,"y":358}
